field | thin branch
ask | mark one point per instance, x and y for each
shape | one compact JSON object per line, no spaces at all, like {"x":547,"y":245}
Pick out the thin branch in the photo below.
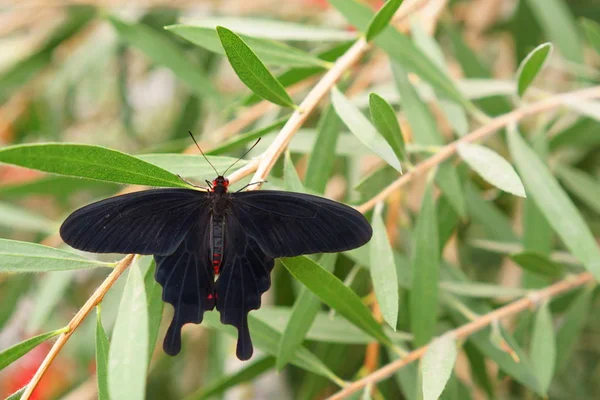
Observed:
{"x":89,"y":305}
{"x":481,"y":133}
{"x":469,"y":329}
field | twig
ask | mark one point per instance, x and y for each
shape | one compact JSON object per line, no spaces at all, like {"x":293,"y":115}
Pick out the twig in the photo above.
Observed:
{"x":467,"y":330}
{"x":76,"y":321}
{"x":479,"y":134}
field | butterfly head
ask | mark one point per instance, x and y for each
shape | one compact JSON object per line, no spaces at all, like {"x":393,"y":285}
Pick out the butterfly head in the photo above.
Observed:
{"x":220,"y":184}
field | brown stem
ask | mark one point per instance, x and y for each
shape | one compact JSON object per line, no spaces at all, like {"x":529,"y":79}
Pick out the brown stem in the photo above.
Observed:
{"x":89,"y":305}
{"x":478,"y":134}
{"x":467,"y":330}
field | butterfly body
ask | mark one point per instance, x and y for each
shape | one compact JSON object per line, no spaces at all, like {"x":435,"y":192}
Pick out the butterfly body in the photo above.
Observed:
{"x":215,"y":249}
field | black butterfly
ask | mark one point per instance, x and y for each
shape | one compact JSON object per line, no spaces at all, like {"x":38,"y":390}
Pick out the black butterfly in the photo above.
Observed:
{"x":196,"y":235}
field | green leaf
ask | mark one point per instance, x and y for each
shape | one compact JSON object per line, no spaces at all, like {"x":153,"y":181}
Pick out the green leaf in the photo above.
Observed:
{"x":322,"y":156}
{"x":274,"y":29}
{"x":58,"y":186}
{"x":399,"y":48}
{"x":17,"y":351}
{"x":449,"y":182}
{"x":302,"y":316}
{"x":537,"y":263}
{"x":251,"y":71}
{"x":592,"y":32}
{"x":191,"y":165}
{"x":497,"y":225}
{"x":17,"y":395}
{"x":383,"y":270}
{"x":482,"y":290}
{"x":270,"y":52}
{"x":558,"y":24}
{"x":86,"y":161}
{"x":360,"y":126}
{"x":531,"y":66}
{"x":421,"y":120}
{"x":16,"y":256}
{"x":18,"y":218}
{"x":426,"y":269}
{"x":381,"y":20}
{"x":555,"y":204}
{"x":246,"y":373}
{"x":384,"y":118}
{"x":582,"y":185}
{"x":335,"y":294}
{"x":572,"y":326}
{"x":267,"y":339}
{"x":292,"y":182}
{"x":492,"y":167}
{"x":543,"y":347}
{"x":102,"y":346}
{"x":437,"y":366}
{"x":128,"y":355}
{"x":155,"y":306}
{"x":164,"y":52}
{"x":48,"y":294}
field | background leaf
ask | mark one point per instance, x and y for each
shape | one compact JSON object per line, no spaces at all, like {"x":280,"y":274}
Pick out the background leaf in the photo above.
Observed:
{"x":492,"y":167}
{"x":384,"y":118}
{"x":17,"y":351}
{"x":437,"y":365}
{"x":382,"y":18}
{"x":102,"y":346}
{"x":128,"y":354}
{"x":531,"y":66}
{"x":543,"y":347}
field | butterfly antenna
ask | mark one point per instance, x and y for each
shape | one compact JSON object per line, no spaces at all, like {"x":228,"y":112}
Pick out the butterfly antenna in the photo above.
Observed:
{"x":204,"y":155}
{"x":244,"y":155}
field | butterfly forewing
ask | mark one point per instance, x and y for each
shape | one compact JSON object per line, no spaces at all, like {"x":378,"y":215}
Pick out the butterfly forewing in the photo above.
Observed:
{"x":147,"y":222}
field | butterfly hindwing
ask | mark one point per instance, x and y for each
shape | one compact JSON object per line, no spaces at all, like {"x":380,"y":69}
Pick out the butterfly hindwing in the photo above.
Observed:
{"x":287,"y":224}
{"x":245,"y":276}
{"x":187,"y":279}
{"x":147,"y":222}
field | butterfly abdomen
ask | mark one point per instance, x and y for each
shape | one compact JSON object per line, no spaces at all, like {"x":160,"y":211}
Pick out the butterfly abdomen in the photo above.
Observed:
{"x":217,"y":242}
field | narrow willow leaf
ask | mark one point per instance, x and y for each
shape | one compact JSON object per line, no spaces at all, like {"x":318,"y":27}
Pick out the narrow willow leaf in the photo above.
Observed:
{"x":449,"y":182}
{"x":582,"y":185}
{"x":302,"y":316}
{"x":497,"y":226}
{"x":267,"y":339}
{"x":86,"y":161}
{"x":128,"y":354}
{"x":531,"y":66}
{"x":191,"y":166}
{"x":165,"y":52}
{"x":61,"y":187}
{"x":335,"y":294}
{"x":592,"y":32}
{"x":18,"y":256}
{"x":384,"y":118}
{"x":155,"y":306}
{"x":269,"y":51}
{"x":17,"y":395}
{"x":555,"y":204}
{"x":383,"y":270}
{"x":251,"y":71}
{"x":102,"y":346}
{"x":421,"y":120}
{"x":543,"y":347}
{"x":381,"y":20}
{"x":49,"y":292}
{"x":360,"y":126}
{"x":278,"y":30}
{"x":426,"y":268}
{"x":321,"y":158}
{"x":538,"y":264}
{"x":15,"y":217}
{"x":437,"y":366}
{"x":557,"y":22}
{"x":400,"y":48}
{"x":572,"y":325}
{"x":292,"y":182}
{"x":492,"y":167}
{"x":17,"y":351}
{"x":246,"y":373}
{"x":482,"y":290}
